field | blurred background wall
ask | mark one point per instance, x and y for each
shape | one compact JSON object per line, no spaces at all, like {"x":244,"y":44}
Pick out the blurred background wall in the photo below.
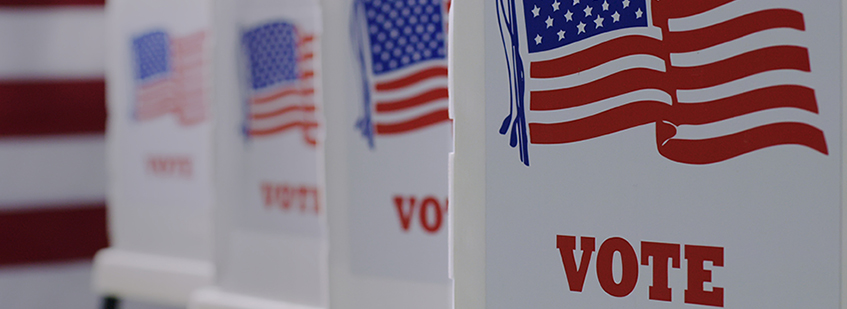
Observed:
{"x":52,"y":152}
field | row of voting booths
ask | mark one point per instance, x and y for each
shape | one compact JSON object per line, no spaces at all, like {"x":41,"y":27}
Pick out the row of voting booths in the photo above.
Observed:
{"x":241,"y":131}
{"x":475,"y":154}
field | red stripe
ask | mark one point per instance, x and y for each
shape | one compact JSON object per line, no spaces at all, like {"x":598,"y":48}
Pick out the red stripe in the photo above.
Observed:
{"x":283,"y":127}
{"x":698,"y":39}
{"x":607,"y":87}
{"x":729,"y":146}
{"x":597,"y":55}
{"x":286,"y":92}
{"x":423,"y":98}
{"x":308,"y":138}
{"x":306,"y":39}
{"x":607,"y":122}
{"x":306,"y":56}
{"x":412,"y":79}
{"x":750,"y":63}
{"x":432,"y":118}
{"x":52,"y":234}
{"x":32,"y":108}
{"x":18,"y":3}
{"x":305,"y":108}
{"x":752,"y":101}
{"x":307,"y":74}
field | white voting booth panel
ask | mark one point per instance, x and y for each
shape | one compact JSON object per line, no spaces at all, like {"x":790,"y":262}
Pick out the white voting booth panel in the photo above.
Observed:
{"x":159,"y":149}
{"x":647,"y":154}
{"x":388,"y":136}
{"x":270,"y":230}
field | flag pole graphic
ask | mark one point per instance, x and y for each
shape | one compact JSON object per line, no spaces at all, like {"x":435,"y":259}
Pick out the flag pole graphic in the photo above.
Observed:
{"x":365,"y":123}
{"x":507,"y":18}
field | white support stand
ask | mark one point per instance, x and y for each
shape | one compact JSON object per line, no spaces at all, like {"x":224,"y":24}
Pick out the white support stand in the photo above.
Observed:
{"x":145,"y":276}
{"x":214,"y":298}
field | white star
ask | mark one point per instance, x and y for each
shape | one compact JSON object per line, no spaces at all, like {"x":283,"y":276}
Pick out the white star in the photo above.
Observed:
{"x":556,"y":5}
{"x":549,"y":22}
{"x":598,"y":22}
{"x":605,"y":5}
{"x":580,"y":28}
{"x":616,"y":17}
{"x":575,"y":2}
{"x":638,"y":13}
{"x":537,"y":39}
{"x":569,"y":15}
{"x":535,"y":11}
{"x":561,"y":34}
{"x":587,"y":10}
{"x":625,"y":3}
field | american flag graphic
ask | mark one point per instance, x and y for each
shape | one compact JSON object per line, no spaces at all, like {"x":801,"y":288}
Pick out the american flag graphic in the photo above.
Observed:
{"x":281,"y":92}
{"x":402,"y":51}
{"x":169,"y":76}
{"x":716,"y":78}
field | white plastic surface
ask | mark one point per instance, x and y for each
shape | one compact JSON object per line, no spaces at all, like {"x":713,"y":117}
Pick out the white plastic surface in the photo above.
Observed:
{"x":843,"y":150}
{"x":469,"y":189}
{"x":213,"y":298}
{"x":467,"y":91}
{"x":350,"y":288}
{"x":159,"y":220}
{"x":269,"y":252}
{"x":148,"y":277}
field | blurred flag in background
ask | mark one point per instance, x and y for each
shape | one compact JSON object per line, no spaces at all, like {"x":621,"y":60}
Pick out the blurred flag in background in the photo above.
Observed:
{"x":52,"y":151}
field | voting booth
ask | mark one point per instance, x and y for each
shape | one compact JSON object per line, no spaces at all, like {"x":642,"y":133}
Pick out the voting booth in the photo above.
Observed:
{"x":647,"y":154}
{"x":270,"y":230}
{"x":159,"y":139}
{"x":389,"y":135}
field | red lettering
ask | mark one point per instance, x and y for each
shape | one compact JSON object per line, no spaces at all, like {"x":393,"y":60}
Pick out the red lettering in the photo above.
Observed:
{"x":170,"y":166}
{"x":266,"y":193}
{"x":567,"y":248}
{"x":604,"y":267}
{"x":283,"y":196}
{"x":304,"y":196}
{"x":431,"y":202}
{"x":405,"y":216}
{"x":316,"y":197}
{"x":697,"y":275}
{"x":660,"y":252}
{"x":430,"y":212}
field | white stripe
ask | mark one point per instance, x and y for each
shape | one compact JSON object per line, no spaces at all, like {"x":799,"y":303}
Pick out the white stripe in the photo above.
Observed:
{"x":52,"y":171}
{"x":598,"y":72}
{"x":739,"y":86}
{"x":574,"y":113}
{"x":411,"y":91}
{"x":717,"y":15}
{"x":409,"y":114}
{"x":745,"y":122}
{"x":52,"y":43}
{"x":275,"y":105}
{"x":289,"y":117}
{"x":751,"y":42}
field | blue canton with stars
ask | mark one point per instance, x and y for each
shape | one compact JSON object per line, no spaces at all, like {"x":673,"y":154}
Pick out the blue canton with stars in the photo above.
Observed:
{"x":555,"y":23}
{"x":403,"y":32}
{"x":151,"y":55}
{"x":272,"y":52}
